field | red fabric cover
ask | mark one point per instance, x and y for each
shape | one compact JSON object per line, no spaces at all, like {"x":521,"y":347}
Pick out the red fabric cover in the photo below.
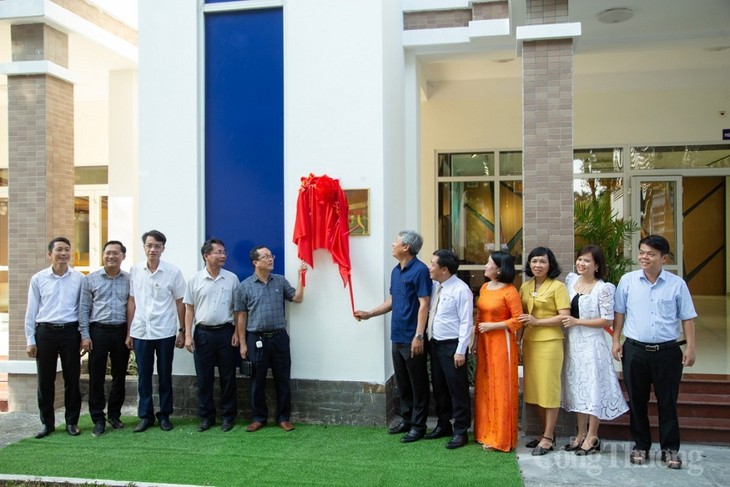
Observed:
{"x":321,"y":223}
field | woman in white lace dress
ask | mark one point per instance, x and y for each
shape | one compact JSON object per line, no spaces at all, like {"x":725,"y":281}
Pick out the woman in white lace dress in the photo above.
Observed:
{"x":590,"y":386}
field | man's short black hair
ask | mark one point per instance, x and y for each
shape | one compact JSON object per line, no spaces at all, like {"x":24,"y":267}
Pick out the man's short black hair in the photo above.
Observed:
{"x":254,"y":254}
{"x":115,"y":242}
{"x":208,"y":246}
{"x":656,"y":242}
{"x":156,"y":234}
{"x":52,"y":243}
{"x":448,"y":259}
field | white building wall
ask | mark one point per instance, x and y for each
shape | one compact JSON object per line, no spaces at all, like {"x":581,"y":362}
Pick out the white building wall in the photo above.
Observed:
{"x":170,"y":171}
{"x":337,"y":122}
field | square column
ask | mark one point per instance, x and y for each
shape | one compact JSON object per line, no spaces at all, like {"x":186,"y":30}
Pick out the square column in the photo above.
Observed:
{"x":41,"y":180}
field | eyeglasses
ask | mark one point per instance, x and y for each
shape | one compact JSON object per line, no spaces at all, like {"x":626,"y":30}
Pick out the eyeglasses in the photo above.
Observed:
{"x":266,"y":257}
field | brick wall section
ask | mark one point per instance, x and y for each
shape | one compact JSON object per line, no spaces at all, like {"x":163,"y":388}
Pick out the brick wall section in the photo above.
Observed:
{"x":37,"y":42}
{"x":548,"y":147}
{"x":313,"y":401}
{"x":547,"y":11}
{"x":436,"y":19}
{"x":97,"y":16}
{"x":547,"y":82}
{"x":490,"y":10}
{"x":41,"y":173}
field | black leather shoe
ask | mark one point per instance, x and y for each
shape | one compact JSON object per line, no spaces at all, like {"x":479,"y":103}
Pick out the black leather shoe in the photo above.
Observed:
{"x":411,"y":436}
{"x":73,"y":430}
{"x":401,"y":427}
{"x":226,"y":426}
{"x":143,"y":425}
{"x":165,"y":424}
{"x":115,"y":423}
{"x":99,"y":428}
{"x":45,"y":431}
{"x":439,"y":432}
{"x":204,"y":425}
{"x":457,"y":441}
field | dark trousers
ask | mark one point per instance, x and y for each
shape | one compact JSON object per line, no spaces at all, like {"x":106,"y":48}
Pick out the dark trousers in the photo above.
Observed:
{"x":450,"y":386}
{"x":663,"y":369}
{"x":274,"y":354}
{"x":213,"y":348}
{"x":411,"y":378}
{"x":145,"y":351}
{"x":50,"y":345}
{"x":107,"y":343}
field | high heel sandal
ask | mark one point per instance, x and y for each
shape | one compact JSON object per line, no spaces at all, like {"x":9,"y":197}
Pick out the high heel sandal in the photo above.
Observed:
{"x":539,"y":450}
{"x":571,"y":447}
{"x":596,"y":447}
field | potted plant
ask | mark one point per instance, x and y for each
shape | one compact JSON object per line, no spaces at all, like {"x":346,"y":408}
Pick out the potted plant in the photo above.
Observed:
{"x":596,"y":223}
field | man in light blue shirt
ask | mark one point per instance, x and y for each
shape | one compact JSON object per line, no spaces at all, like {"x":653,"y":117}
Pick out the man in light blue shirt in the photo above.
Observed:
{"x":52,"y":331}
{"x":650,"y":303}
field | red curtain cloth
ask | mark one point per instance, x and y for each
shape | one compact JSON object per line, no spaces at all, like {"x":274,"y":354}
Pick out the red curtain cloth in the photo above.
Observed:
{"x":321,"y":223}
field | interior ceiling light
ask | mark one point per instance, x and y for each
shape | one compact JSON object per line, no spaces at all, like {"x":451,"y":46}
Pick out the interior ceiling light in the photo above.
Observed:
{"x":615,"y":15}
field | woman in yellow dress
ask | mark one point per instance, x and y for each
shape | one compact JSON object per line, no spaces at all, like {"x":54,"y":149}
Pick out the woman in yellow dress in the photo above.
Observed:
{"x":496,"y":376}
{"x":544,"y":302}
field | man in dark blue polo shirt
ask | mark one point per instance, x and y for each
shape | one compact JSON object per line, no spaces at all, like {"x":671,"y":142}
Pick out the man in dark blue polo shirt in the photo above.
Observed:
{"x":410,"y":291}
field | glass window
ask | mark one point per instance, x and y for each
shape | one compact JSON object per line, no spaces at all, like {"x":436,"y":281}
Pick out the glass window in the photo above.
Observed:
{"x":91,"y":175}
{"x":680,"y":157}
{"x":510,"y":210}
{"x":469,"y":164}
{"x":587,"y":161}
{"x":81,"y":231}
{"x":104,"y":222}
{"x":466,"y":219}
{"x":510,"y":163}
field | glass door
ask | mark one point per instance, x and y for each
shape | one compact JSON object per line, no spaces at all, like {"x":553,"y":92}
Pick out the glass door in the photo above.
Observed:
{"x":657,"y":206}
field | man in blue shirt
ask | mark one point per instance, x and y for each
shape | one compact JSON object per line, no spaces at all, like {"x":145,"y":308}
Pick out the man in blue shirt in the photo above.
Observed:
{"x":410,"y":291}
{"x":650,"y":304}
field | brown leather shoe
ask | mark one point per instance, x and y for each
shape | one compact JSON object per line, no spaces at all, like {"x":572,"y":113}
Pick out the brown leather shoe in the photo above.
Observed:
{"x":286,"y":426}
{"x":255,"y":426}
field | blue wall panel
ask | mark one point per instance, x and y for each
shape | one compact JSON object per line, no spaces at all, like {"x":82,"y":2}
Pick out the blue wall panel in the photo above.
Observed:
{"x":244,"y":133}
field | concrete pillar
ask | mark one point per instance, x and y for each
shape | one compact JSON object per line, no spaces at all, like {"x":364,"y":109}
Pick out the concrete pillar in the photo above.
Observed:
{"x":41,"y":175}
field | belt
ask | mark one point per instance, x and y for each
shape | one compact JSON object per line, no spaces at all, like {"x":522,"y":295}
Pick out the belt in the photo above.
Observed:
{"x":269,"y":334}
{"x":655,"y":347}
{"x":213,"y":327}
{"x":444,"y":342}
{"x":58,"y":326}
{"x":107,"y":326}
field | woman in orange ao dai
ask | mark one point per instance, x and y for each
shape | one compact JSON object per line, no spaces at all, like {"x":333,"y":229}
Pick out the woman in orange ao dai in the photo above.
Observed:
{"x":496,"y":377}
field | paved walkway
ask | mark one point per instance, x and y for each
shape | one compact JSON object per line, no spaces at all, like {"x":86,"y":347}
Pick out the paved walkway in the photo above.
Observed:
{"x":704,"y":466}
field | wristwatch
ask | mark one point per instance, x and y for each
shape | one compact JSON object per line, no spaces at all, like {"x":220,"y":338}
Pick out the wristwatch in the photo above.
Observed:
{"x":181,"y":330}
{"x":419,"y":336}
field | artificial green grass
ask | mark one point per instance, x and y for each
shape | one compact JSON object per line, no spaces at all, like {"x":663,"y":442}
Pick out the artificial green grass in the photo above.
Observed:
{"x":309,"y":455}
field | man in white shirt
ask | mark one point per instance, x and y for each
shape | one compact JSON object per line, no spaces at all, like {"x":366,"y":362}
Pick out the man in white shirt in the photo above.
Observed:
{"x":52,"y":330}
{"x":450,"y":325}
{"x":209,"y":300}
{"x":156,"y":315}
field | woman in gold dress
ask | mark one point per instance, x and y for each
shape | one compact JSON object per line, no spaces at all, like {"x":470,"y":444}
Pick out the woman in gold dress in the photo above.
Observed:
{"x":544,"y":302}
